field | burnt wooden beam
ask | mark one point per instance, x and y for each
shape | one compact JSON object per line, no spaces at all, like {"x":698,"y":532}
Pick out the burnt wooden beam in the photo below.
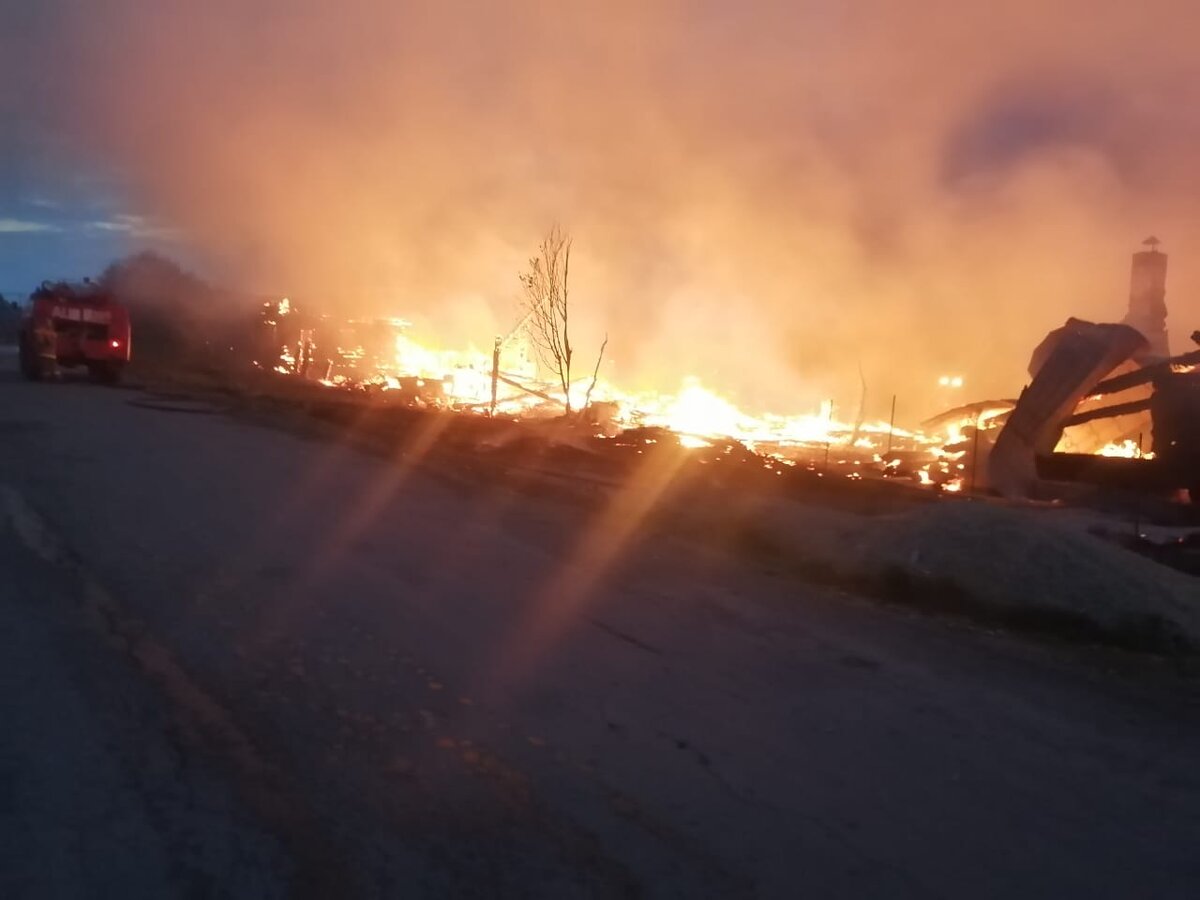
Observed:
{"x":1108,"y":412}
{"x":522,"y":387}
{"x":1143,"y":375}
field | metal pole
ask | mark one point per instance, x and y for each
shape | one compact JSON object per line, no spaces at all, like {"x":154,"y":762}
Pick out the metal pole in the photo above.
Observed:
{"x":495,"y":374}
{"x":891,"y":425}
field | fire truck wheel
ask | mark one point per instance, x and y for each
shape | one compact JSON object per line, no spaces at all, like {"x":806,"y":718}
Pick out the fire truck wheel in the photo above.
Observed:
{"x":104,"y":373}
{"x":30,"y":370}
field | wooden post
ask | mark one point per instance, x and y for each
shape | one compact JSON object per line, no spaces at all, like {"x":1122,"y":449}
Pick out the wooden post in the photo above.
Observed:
{"x":1137,"y":501}
{"x":891,"y":425}
{"x":829,"y":424}
{"x":975,"y":453}
{"x":495,"y":374}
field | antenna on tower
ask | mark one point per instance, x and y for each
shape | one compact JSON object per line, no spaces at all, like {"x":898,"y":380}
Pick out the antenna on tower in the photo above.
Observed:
{"x":1152,"y":242}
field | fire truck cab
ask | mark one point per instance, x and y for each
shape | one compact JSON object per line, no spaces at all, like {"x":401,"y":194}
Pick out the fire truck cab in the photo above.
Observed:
{"x":74,"y":325}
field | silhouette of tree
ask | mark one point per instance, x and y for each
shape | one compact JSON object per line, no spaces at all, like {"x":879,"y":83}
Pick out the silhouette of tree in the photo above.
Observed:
{"x":547,"y":305}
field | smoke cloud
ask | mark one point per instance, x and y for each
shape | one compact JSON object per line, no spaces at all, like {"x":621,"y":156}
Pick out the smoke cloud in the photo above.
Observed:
{"x":765,"y":195}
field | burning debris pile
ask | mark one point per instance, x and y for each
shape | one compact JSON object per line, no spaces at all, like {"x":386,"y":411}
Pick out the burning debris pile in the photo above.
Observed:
{"x":381,"y":359}
{"x":1097,"y":392}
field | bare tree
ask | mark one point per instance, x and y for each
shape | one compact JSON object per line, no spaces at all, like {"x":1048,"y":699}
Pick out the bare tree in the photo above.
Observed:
{"x":547,"y":306}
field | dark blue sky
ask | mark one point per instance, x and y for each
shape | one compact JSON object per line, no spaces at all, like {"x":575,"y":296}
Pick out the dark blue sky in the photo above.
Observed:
{"x":57,"y":220}
{"x":58,"y":223}
{"x":54,"y":222}
{"x":72,"y":250}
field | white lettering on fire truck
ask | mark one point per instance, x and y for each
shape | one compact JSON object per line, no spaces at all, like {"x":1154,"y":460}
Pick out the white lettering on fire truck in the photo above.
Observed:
{"x":82,"y":314}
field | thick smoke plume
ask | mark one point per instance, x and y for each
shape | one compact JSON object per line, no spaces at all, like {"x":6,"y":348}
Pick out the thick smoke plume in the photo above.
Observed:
{"x":765,"y":195}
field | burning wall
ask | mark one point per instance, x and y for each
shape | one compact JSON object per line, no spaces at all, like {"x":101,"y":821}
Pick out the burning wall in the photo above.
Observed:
{"x":1065,"y":367}
{"x":1103,"y":389}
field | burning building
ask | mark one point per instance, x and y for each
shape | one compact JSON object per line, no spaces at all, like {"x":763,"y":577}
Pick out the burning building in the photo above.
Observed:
{"x":1099,"y":393}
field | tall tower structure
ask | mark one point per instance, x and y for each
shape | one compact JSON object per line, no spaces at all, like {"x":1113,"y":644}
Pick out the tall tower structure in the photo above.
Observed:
{"x":1148,"y":297}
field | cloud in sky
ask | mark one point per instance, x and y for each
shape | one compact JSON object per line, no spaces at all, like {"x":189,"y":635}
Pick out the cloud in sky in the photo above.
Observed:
{"x":22,"y":226}
{"x":763,"y":193}
{"x":134,"y":226}
{"x":40,"y":202}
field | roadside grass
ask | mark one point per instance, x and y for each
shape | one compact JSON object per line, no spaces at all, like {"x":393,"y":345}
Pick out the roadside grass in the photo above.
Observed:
{"x":937,"y":595}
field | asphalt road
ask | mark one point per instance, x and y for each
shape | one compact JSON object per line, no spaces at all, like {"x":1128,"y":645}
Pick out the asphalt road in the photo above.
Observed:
{"x":236,"y":662}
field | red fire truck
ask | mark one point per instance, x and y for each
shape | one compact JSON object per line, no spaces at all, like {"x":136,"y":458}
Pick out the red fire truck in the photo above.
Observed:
{"x":74,"y":325}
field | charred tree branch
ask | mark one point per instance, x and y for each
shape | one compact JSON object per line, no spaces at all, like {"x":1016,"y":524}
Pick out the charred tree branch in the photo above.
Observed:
{"x":587,"y":400}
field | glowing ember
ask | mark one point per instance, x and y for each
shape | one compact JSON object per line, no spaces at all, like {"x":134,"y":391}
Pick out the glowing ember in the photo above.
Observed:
{"x":1128,"y":449}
